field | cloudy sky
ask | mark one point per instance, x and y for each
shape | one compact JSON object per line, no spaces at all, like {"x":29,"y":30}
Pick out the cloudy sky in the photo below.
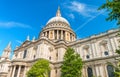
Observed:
{"x":20,"y":18}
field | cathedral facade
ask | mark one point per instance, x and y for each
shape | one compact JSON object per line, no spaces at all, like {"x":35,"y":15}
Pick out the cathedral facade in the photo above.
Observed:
{"x":95,"y":51}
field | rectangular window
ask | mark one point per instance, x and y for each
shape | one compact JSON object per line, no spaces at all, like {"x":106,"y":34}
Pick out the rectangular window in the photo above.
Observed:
{"x":25,"y":53}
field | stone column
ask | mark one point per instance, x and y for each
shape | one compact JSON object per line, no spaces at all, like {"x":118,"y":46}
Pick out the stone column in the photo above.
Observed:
{"x":65,"y":35}
{"x":61,"y":34}
{"x":3,"y":68}
{"x":9,"y":74}
{"x":0,"y":69}
{"x":94,"y":49}
{"x":72,"y":37}
{"x":85,"y":70}
{"x":58,"y":72}
{"x":91,"y":50}
{"x":45,"y":34}
{"x":53,"y":73}
{"x":14,"y":67}
{"x":24,"y":75}
{"x":110,"y":46}
{"x":97,"y":49}
{"x":18,"y":74}
{"x":53,"y":35}
{"x":105,"y":70}
{"x":116,"y":43}
{"x":100,"y":71}
{"x":94,"y":70}
{"x":31,"y":53}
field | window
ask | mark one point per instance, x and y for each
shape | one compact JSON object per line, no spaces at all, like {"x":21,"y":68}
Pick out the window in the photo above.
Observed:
{"x":25,"y":54}
{"x":56,"y":71}
{"x":34,"y":56}
{"x":106,"y":53}
{"x":90,"y":72}
{"x":50,"y":58}
{"x":110,"y":71}
{"x":87,"y":56}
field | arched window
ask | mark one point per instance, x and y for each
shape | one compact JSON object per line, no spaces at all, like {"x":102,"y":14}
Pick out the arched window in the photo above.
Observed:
{"x":90,"y":72}
{"x":25,"y":54}
{"x":87,"y":53}
{"x":110,"y":71}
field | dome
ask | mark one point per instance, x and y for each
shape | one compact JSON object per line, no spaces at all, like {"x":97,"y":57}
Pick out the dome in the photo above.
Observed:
{"x":58,"y":28}
{"x":58,"y":18}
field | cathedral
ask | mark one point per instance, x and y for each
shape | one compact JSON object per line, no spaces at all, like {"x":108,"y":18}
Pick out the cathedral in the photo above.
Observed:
{"x":96,"y":51}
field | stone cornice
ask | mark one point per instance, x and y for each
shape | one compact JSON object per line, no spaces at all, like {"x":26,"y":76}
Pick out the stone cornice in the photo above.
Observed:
{"x":94,"y":37}
{"x":3,"y":73}
{"x":5,"y":62}
{"x":57,"y":44}
{"x":102,"y":58}
{"x":24,"y":61}
{"x":58,"y":28}
{"x":35,"y":43}
{"x":57,"y":22}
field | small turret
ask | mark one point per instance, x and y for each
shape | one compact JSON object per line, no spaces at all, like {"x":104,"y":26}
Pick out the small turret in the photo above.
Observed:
{"x":6,"y":52}
{"x":33,"y":40}
{"x":28,"y":38}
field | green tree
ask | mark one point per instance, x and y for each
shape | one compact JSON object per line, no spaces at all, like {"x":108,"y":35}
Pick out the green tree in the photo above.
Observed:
{"x":39,"y":69}
{"x":113,"y":7}
{"x":117,"y":68}
{"x":72,"y":64}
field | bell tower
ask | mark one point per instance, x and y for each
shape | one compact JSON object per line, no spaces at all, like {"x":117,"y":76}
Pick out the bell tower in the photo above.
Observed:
{"x":6,"y":52}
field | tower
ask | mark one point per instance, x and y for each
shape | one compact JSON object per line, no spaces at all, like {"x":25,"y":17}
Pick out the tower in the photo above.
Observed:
{"x":6,"y":52}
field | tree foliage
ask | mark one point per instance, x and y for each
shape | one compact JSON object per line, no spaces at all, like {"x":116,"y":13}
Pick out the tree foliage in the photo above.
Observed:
{"x":72,"y":64}
{"x":39,"y":69}
{"x":117,"y":68}
{"x":113,"y":7}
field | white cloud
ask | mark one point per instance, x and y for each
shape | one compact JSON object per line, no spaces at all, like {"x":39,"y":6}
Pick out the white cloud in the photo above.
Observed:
{"x":90,"y":19}
{"x":71,"y":16}
{"x":12,"y":24}
{"x":82,"y":9}
{"x":20,"y":42}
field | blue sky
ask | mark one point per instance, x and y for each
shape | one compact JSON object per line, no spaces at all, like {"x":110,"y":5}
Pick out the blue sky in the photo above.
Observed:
{"x":20,"y":18}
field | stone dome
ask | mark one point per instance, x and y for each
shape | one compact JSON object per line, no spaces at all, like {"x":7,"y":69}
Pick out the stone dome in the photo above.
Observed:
{"x":58,"y":28}
{"x":58,"y":18}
